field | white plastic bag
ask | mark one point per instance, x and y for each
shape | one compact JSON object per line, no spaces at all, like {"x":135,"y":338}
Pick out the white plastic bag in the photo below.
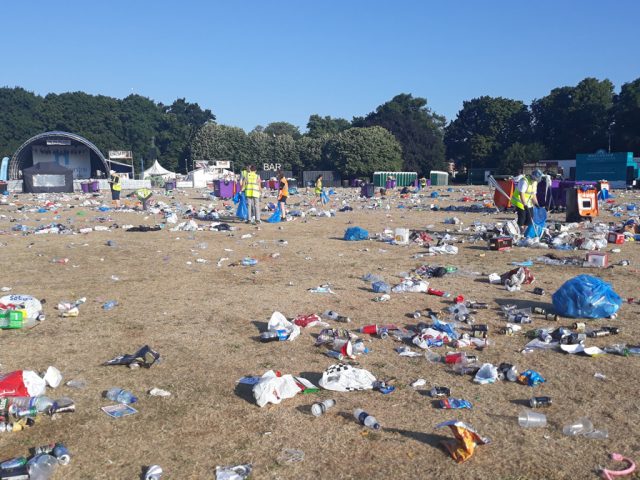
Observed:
{"x":345,"y":378}
{"x":31,"y":304}
{"x":273,"y":389}
{"x":279,"y":322}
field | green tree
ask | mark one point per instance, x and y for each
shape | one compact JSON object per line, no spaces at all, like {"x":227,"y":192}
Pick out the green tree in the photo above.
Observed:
{"x":220,"y":142}
{"x":361,"y":151}
{"x":180,"y":122}
{"x":415,"y":126}
{"x":282,"y":128}
{"x":318,"y":126}
{"x":625,"y":134}
{"x":18,"y":121}
{"x":485,"y":128}
{"x":310,"y":152}
{"x":576,"y":119}
{"x":517,"y":154}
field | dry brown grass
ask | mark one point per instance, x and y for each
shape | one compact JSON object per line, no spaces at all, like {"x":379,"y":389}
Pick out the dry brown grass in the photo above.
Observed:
{"x":203,"y":320}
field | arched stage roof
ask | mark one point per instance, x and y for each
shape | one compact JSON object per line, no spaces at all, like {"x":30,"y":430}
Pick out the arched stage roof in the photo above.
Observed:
{"x":23,"y":158}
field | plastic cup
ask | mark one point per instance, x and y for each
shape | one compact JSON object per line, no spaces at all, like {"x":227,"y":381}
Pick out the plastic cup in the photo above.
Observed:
{"x":581,"y":426}
{"x":529,"y":419}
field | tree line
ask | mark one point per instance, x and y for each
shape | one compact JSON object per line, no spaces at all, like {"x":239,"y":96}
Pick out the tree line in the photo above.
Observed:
{"x":401,"y":134}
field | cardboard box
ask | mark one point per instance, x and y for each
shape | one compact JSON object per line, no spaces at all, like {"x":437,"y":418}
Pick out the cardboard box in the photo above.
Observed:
{"x":614,"y":237}
{"x":597,"y":259}
{"x":500,"y":243}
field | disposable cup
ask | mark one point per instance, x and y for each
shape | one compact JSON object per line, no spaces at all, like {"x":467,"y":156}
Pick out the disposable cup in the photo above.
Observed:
{"x":581,"y":426}
{"x":529,"y":419}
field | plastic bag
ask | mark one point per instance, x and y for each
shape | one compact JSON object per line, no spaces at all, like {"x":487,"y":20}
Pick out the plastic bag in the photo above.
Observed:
{"x":345,"y":378}
{"x":539,"y":221}
{"x":272,"y":388}
{"x":22,"y":383}
{"x":324,"y":197}
{"x":586,"y":297}
{"x":275,"y":216}
{"x":242,"y":212}
{"x":279,"y":322}
{"x":355,"y":234}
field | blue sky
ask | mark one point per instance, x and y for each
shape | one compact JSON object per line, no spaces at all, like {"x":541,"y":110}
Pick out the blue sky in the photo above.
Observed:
{"x":255,"y":62}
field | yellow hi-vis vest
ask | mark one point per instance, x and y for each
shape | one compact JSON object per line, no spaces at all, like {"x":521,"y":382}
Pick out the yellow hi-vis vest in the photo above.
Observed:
{"x":525,"y":199}
{"x":115,"y":183}
{"x":252,"y":189}
{"x":243,"y":178}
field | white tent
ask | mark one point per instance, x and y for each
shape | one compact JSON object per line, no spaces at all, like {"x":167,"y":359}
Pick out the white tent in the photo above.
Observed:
{"x":201,"y":176}
{"x":157,"y":170}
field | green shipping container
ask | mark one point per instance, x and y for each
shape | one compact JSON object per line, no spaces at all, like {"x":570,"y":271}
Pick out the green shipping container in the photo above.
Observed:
{"x":403,"y":179}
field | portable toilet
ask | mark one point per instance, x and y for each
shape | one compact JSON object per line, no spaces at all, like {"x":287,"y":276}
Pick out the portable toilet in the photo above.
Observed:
{"x":439,"y":178}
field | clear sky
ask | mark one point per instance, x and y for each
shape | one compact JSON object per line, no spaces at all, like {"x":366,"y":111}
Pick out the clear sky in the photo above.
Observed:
{"x":254,"y":62}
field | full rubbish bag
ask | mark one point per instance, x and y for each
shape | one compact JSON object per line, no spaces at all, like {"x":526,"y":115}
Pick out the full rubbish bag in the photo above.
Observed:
{"x":275,"y":216}
{"x":355,"y":234}
{"x":242,"y":212}
{"x":586,"y":297}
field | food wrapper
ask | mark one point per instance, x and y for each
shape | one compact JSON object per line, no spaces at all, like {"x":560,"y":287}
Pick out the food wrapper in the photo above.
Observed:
{"x":463,"y":447}
{"x":531,"y":378}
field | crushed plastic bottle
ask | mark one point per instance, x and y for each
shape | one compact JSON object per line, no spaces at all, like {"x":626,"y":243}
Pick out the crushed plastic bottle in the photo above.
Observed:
{"x":121,"y":396}
{"x":109,"y":305}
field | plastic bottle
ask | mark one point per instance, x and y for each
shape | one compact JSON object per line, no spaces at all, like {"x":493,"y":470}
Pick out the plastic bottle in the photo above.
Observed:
{"x":41,"y":403}
{"x":319,"y":408}
{"x":109,"y":305}
{"x":331,"y":315}
{"x":451,"y":269}
{"x":13,"y":463}
{"x":365,"y":419}
{"x":358,"y":347}
{"x":274,"y":336}
{"x":121,"y":396}
{"x":41,"y":467}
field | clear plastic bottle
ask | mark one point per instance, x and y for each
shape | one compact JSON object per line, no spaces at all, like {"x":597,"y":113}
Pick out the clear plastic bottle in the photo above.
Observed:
{"x":365,"y":419}
{"x":359,"y":347}
{"x":109,"y":305}
{"x":41,"y":467}
{"x":121,"y":396}
{"x":319,"y":408}
{"x":41,"y":403}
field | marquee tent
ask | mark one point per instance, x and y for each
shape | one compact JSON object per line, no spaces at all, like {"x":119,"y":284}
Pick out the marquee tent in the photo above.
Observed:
{"x":157,"y":170}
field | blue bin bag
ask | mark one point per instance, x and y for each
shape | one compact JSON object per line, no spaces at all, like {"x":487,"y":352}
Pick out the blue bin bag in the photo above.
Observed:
{"x":242,"y":212}
{"x":355,"y":234}
{"x":539,"y":222}
{"x":586,"y":297}
{"x":435,"y":194}
{"x":275,"y":216}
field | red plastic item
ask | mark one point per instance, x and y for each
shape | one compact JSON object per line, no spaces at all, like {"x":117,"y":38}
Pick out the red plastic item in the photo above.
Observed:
{"x":453,"y":357}
{"x":305,"y":320}
{"x":370,"y":329}
{"x":12,"y":385}
{"x":459,"y":299}
{"x":437,"y":293}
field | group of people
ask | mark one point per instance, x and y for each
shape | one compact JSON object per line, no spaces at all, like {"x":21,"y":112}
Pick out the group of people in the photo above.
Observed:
{"x":251,"y":186}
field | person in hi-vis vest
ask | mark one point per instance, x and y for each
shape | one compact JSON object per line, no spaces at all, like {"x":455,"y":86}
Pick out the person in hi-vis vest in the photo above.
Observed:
{"x":252,"y":192}
{"x":524,"y":198}
{"x":116,"y":188}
